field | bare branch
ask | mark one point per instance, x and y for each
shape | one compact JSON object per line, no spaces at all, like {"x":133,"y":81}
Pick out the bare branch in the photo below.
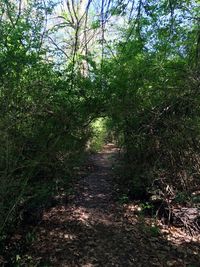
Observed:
{"x":59,"y":48}
{"x":19,"y":12}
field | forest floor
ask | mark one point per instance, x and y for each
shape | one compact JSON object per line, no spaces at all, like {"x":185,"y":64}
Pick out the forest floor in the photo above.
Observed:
{"x":93,"y":229}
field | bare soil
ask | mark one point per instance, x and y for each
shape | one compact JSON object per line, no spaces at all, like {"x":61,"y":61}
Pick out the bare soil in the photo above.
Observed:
{"x":95,"y":230}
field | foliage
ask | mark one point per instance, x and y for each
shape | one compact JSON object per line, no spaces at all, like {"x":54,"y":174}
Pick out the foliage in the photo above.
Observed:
{"x":153,"y":87}
{"x":68,"y":83}
{"x":42,"y":132}
{"x":99,"y":134}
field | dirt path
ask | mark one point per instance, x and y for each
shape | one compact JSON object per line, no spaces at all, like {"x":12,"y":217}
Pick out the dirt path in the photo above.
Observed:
{"x":95,"y":231}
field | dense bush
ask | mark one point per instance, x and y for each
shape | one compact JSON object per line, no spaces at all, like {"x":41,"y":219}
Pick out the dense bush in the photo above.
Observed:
{"x":44,"y":125}
{"x":58,"y":76}
{"x":153,"y":102}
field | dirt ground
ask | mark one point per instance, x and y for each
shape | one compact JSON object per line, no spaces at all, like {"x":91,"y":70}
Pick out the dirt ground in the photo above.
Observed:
{"x":95,"y":230}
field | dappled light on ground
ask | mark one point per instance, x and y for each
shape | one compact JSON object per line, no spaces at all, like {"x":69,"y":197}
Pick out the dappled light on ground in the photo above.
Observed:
{"x":94,"y":230}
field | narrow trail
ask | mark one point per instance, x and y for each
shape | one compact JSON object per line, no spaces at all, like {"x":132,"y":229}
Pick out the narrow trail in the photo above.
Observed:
{"x":93,"y":230}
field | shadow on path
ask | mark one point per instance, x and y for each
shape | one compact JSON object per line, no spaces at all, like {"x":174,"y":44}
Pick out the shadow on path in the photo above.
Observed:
{"x":93,"y":230}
